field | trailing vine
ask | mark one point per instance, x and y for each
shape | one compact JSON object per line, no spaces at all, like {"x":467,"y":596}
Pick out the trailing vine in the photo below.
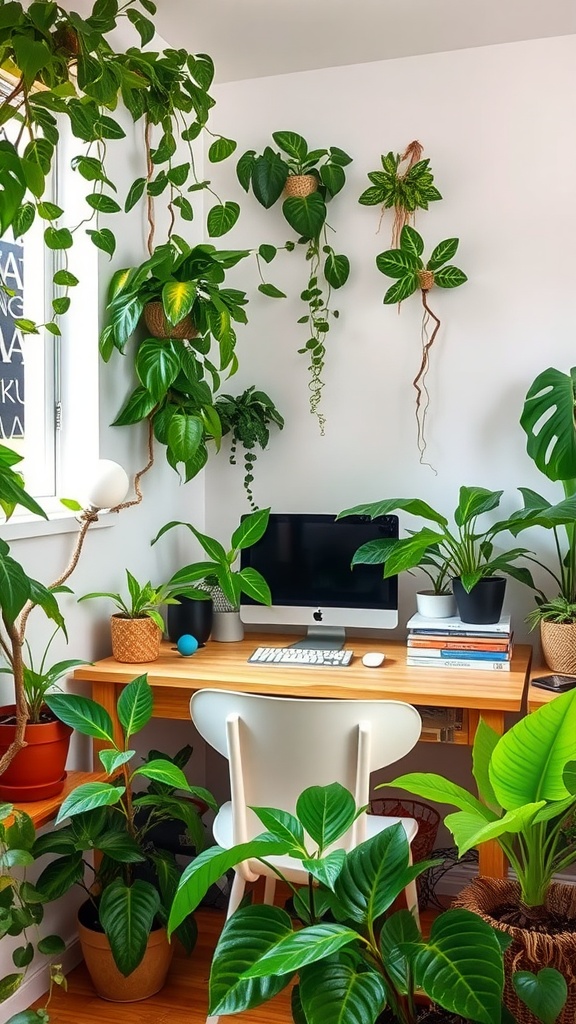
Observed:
{"x":248,"y":418}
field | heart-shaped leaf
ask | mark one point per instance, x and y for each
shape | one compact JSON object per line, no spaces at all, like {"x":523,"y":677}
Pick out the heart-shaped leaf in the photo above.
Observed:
{"x":544,"y":993}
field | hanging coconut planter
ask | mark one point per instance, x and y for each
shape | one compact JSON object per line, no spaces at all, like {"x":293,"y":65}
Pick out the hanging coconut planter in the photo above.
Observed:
{"x":160,"y":327}
{"x":300,"y":185}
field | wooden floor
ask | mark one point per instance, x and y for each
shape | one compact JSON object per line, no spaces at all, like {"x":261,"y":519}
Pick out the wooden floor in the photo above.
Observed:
{"x":183,"y":1000}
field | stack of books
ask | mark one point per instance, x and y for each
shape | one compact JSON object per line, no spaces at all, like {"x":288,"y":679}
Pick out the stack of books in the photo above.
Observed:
{"x":451,"y":643}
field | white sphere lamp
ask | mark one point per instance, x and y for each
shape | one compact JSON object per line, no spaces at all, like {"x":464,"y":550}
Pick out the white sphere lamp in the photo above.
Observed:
{"x":108,"y":485}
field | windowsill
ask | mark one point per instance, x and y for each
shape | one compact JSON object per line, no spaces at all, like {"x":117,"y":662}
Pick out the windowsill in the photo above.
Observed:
{"x":22,"y":527}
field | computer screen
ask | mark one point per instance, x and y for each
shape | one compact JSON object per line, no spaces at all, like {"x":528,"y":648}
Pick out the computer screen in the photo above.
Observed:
{"x":306,"y":561}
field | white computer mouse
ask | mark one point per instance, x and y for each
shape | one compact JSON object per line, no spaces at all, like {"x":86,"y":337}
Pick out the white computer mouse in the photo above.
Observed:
{"x":373,"y":659}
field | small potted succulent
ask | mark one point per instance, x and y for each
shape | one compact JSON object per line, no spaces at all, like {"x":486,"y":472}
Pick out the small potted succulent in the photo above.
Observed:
{"x":465,"y":551}
{"x":137,"y":627}
{"x":122,"y":923}
{"x":224,"y":583}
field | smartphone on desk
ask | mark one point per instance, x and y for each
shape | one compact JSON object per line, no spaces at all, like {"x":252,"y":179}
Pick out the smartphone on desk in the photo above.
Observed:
{"x":556,"y":683}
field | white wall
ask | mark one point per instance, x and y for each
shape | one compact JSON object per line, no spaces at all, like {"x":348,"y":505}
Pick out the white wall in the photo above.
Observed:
{"x":495,"y":123}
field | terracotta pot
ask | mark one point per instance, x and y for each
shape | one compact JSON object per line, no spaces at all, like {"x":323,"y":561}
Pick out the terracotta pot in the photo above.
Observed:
{"x":529,"y":950}
{"x":300,"y":185}
{"x":37,"y":772}
{"x":559,"y":646}
{"x":135,"y":640}
{"x":145,"y":981}
{"x":160,"y":327}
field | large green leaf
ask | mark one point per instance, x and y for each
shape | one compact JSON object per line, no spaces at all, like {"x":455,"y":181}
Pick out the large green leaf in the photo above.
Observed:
{"x":88,"y":796}
{"x":14,"y":587}
{"x":83,"y":714}
{"x":269,"y":175}
{"x":251,"y":529}
{"x":60,"y":875}
{"x":177,"y":299}
{"x":185,"y":434}
{"x":326,"y":812}
{"x":333,"y":178}
{"x":164,"y":771}
{"x":544,"y":993}
{"x":528,"y":762}
{"x":326,"y":869}
{"x":254,"y":585}
{"x":293,"y":144}
{"x":222,"y":218}
{"x":127,"y":914}
{"x":449,"y":277}
{"x":335,"y":992}
{"x":436,"y":788}
{"x":548,"y":420}
{"x":157,"y":364}
{"x":134,"y":706}
{"x":398,"y":263}
{"x":415,"y":506}
{"x":443,"y":252}
{"x":374,"y":874}
{"x":461,"y":967}
{"x":470,"y":830}
{"x":473,"y":501}
{"x":398,"y":930}
{"x":306,"y":214}
{"x":138,"y":407}
{"x":411,"y":241}
{"x":293,"y":951}
{"x":485,"y":741}
{"x":409,"y":552}
{"x":336,"y":269}
{"x":246,"y":937}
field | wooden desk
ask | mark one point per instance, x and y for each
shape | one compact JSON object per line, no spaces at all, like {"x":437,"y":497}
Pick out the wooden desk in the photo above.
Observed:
{"x":224,"y":666}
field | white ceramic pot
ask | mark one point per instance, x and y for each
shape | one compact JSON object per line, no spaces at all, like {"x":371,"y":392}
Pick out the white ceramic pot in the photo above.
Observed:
{"x":435,"y":606}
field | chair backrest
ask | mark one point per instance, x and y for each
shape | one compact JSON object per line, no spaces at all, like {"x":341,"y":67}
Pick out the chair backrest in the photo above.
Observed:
{"x":279,"y":746}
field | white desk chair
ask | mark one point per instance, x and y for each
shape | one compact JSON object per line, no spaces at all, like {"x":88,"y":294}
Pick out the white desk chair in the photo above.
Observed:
{"x":279,"y":746}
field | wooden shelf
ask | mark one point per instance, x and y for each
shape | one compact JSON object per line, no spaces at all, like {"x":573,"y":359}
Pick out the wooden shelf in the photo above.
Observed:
{"x":43,"y":811}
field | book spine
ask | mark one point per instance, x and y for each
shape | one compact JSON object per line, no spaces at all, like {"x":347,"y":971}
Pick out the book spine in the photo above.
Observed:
{"x":492,"y":635}
{"x":496,"y":666}
{"x":432,"y":652}
{"x":455,"y":644}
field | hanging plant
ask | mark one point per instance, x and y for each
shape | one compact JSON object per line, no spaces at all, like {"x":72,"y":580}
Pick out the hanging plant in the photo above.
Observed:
{"x":248,"y":418}
{"x":411,"y":274}
{"x":405,"y":184}
{"x":60,"y":66}
{"x":308,"y":179}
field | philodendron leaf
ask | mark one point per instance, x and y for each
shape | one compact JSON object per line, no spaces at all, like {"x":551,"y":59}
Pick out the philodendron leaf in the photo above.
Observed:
{"x":470,"y":830}
{"x":135,"y":705}
{"x":222,"y":218}
{"x":548,"y":420}
{"x":336,"y":990}
{"x":164,"y":771}
{"x":327,"y":869}
{"x":86,"y":797}
{"x":127,"y":914}
{"x":282,"y":824}
{"x":157,"y":365}
{"x":82,"y":714}
{"x":268,"y":175}
{"x":398,"y":929}
{"x":543,"y":993}
{"x":254,"y":585}
{"x":415,"y":506}
{"x":178,"y":299}
{"x":246,"y":937}
{"x":251,"y":529}
{"x":461,"y":967}
{"x":306,"y":214}
{"x":374,"y":874}
{"x":326,"y":812}
{"x":306,"y":946}
{"x":443,"y":791}
{"x":336,"y":269}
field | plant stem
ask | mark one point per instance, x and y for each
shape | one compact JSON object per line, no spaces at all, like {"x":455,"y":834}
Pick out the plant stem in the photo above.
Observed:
{"x":419,"y":382}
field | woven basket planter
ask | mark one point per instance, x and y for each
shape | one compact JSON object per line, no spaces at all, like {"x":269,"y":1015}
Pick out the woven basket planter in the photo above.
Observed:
{"x":135,"y":640}
{"x":300,"y":185}
{"x":559,"y":646}
{"x":529,"y":951}
{"x":159,"y":326}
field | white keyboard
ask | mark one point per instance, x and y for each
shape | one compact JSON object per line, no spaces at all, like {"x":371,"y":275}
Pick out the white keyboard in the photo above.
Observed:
{"x":299,"y":656}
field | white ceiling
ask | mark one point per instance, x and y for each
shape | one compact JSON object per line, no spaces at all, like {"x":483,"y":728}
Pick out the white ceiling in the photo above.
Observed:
{"x":254,"y":38}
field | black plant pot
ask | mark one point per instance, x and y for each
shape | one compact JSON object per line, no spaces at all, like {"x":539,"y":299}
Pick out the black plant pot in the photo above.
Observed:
{"x":193,"y":617}
{"x":484,"y":602}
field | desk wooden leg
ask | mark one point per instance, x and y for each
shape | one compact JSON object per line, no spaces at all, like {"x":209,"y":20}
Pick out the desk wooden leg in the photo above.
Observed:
{"x":106,"y":694}
{"x":491,"y":859}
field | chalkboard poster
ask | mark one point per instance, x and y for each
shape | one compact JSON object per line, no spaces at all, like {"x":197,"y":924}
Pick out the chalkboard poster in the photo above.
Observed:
{"x":11,"y":343}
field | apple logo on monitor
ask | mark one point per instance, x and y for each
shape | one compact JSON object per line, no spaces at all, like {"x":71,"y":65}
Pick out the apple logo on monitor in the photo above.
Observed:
{"x":317,"y":616}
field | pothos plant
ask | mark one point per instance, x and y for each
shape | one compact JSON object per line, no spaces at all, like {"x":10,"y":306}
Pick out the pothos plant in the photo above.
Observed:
{"x":63,"y":69}
{"x":248,"y":418}
{"x":411,"y":274}
{"x":309,"y":179}
{"x":405,"y":184}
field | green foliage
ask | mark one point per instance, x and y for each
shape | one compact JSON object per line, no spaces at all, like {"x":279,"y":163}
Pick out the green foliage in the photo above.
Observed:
{"x":406,"y":266}
{"x":39,"y":680}
{"x":82,"y":79}
{"x":548,"y":421}
{"x":248,"y":418}
{"x":525,"y":781}
{"x":177,"y":378}
{"x":22,"y":906}
{"x":219,"y":571}
{"x":410,"y":190}
{"x":136,"y":880}
{"x":462,"y":550}
{"x":267,"y":174}
{"x":12,"y":492}
{"x":144,"y":600}
{"x":352,"y":954}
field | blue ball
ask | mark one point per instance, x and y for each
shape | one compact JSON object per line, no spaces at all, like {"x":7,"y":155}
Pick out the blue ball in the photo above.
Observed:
{"x":187,"y":645}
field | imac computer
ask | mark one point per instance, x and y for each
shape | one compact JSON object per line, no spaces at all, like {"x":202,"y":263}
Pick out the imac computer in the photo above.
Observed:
{"x":306,"y":561}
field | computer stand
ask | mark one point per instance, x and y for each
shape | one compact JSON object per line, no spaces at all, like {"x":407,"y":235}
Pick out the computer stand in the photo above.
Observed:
{"x":322,"y":638}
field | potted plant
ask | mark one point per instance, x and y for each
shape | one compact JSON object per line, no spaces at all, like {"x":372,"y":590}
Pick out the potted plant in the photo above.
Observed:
{"x":406,"y":267}
{"x":225,"y":584}
{"x":121,"y":924}
{"x":462,"y":551}
{"x":137,"y":627}
{"x":163,"y":830}
{"x":352,"y":954}
{"x":404,"y":183}
{"x":527,"y":801}
{"x":248,"y":417}
{"x":308,"y":179}
{"x":177,"y":371}
{"x":22,"y":909}
{"x":37,"y":772}
{"x":548,"y":421}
